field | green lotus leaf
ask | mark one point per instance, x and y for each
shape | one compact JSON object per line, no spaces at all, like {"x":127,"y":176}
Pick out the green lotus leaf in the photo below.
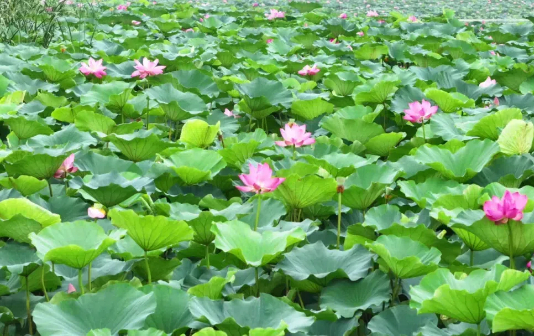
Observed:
{"x":35,"y":279}
{"x":311,"y":109}
{"x":449,"y":102}
{"x":351,"y":129}
{"x":196,"y":165}
{"x":151,"y":232}
{"x":405,"y":257}
{"x":399,"y":321}
{"x":462,"y":164}
{"x":49,"y":99}
{"x":172,"y":312}
{"x":213,"y":288}
{"x":512,"y":78}
{"x":253,"y":248}
{"x":264,"y":312}
{"x":112,"y":188}
{"x":339,"y":164}
{"x":176,"y":104}
{"x":139,"y":146}
{"x":26,"y":185}
{"x":382,"y":144}
{"x":98,"y":164}
{"x":26,"y":128}
{"x":516,"y":138}
{"x":342,"y":83}
{"x":147,"y":332}
{"x":427,"y":192}
{"x":262,"y":96}
{"x":160,"y":269}
{"x":202,"y":227}
{"x":346,"y":297}
{"x":447,"y":206}
{"x":18,"y":259}
{"x":39,"y":165}
{"x":510,"y":171}
{"x":21,"y":82}
{"x":75,"y":244}
{"x":115,"y":94}
{"x":371,"y":51}
{"x":301,"y":192}
{"x":488,"y":127}
{"x":94,"y":122}
{"x":210,"y":332}
{"x":129,"y":310}
{"x":368,"y":182}
{"x":511,"y":310}
{"x":198,"y":133}
{"x":19,"y":217}
{"x":462,"y":296}
{"x":321,"y":265}
{"x":238,"y":153}
{"x":55,"y":69}
{"x":378,"y":92}
{"x":197,"y":81}
{"x":69,"y":138}
{"x":497,"y":236}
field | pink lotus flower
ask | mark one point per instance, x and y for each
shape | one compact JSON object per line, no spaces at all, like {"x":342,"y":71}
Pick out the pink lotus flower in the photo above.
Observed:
{"x":487,"y":83}
{"x":333,"y":40}
{"x":349,"y":47}
{"x":295,"y":135}
{"x":229,"y":113}
{"x":66,"y":167}
{"x":496,"y":101}
{"x":136,"y":23}
{"x":95,"y":212}
{"x":372,"y":13}
{"x":412,"y":19}
{"x":381,"y":21}
{"x":255,"y":4}
{"x":122,"y":7}
{"x":509,"y":207}
{"x":360,"y":33}
{"x":419,"y":111}
{"x":309,"y":71}
{"x":189,"y":30}
{"x":259,"y":179}
{"x":71,"y":289}
{"x":93,"y":68}
{"x":269,"y":41}
{"x":343,"y":15}
{"x":275,"y":14}
{"x":148,"y":68}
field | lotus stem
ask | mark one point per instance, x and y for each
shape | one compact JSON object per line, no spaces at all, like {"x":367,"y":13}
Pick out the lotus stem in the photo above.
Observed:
{"x":396,"y":290}
{"x":43,"y":283}
{"x":50,"y":189}
{"x":28,"y":308}
{"x":80,"y":281}
{"x":471,"y":257}
{"x":478,"y":329}
{"x":6,"y":329}
{"x":89,"y":276}
{"x":257,"y":279}
{"x":511,"y":245}
{"x":424,"y":134}
{"x":257,"y":214}
{"x":149,"y":275}
{"x":147,"y":109}
{"x":339,"y":220}
{"x":294,"y":153}
{"x":300,"y":299}
{"x":208,"y":256}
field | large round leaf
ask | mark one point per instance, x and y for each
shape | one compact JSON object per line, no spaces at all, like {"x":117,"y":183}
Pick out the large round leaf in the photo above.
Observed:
{"x":400,"y":321}
{"x":301,"y":192}
{"x":511,"y":310}
{"x":196,"y":165}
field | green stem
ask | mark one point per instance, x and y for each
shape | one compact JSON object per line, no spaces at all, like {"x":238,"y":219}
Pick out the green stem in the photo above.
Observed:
{"x":43,"y":283}
{"x":511,"y":245}
{"x":53,"y":268}
{"x":471,"y":257}
{"x":149,"y":275}
{"x":28,"y":308}
{"x":147,"y":110}
{"x":80,"y":281}
{"x":257,"y":279}
{"x":338,"y":220}
{"x":300,"y":299}
{"x":424,"y":134}
{"x":6,"y":330}
{"x":478,"y":330}
{"x":50,"y":189}
{"x":89,"y":277}
{"x":396,"y":290}
{"x":294,"y":153}
{"x":208,"y":256}
{"x":145,"y":203}
{"x":257,"y":214}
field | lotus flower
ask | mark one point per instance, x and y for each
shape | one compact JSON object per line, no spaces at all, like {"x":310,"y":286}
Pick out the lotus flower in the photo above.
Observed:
{"x":372,"y":13}
{"x":136,"y":23}
{"x":66,"y":167}
{"x":496,"y":101}
{"x":360,"y":33}
{"x":275,"y":14}
{"x":487,"y":83}
{"x":231,"y":113}
{"x":509,"y":207}
{"x":255,"y":4}
{"x":148,"y":68}
{"x":295,"y":135}
{"x":343,"y":15}
{"x":259,"y":179}
{"x":412,"y":19}
{"x":309,"y":71}
{"x":269,"y":41}
{"x":122,"y":7}
{"x":93,"y":67}
{"x":71,"y":289}
{"x":419,"y":111}
{"x":96,"y":212}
